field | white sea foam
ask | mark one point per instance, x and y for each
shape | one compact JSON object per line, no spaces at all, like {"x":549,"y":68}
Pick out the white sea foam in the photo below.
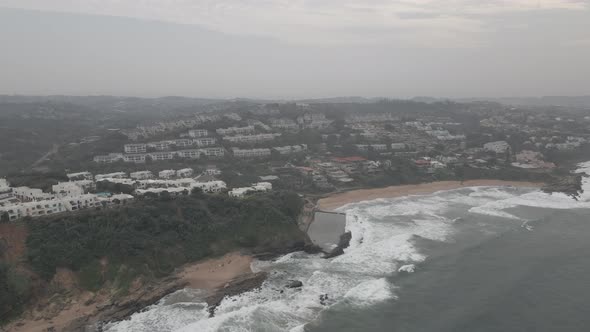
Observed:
{"x":383,"y":244}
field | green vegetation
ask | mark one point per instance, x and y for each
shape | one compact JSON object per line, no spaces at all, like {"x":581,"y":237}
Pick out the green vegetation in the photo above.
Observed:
{"x":153,"y":236}
{"x":14,"y":292}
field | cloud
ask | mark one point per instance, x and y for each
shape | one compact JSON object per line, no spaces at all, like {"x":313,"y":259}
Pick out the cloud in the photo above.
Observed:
{"x":434,"y":23}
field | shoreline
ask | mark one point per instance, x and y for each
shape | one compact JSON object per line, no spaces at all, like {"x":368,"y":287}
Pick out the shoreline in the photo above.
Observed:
{"x":86,"y":308}
{"x":337,"y":200}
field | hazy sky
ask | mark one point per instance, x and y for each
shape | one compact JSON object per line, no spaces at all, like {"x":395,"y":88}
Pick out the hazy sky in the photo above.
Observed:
{"x":296,"y":48}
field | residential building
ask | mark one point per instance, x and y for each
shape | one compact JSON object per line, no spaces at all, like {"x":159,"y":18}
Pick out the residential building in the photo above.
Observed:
{"x":250,"y":153}
{"x":205,"y":141}
{"x":141,"y":175}
{"x":160,"y":146}
{"x":115,"y":175}
{"x":156,"y":156}
{"x":67,"y":189}
{"x":251,"y":138}
{"x":183,"y":143}
{"x":290,"y":149}
{"x":167,"y":174}
{"x":198,"y":133}
{"x":79,"y":176}
{"x":283,"y":123}
{"x":213,"y":152}
{"x":184,"y":173}
{"x":398,"y":146}
{"x":241,"y":192}
{"x":108,"y":159}
{"x":235,"y":130}
{"x":191,"y":154}
{"x":135,"y":148}
{"x":134,"y":158}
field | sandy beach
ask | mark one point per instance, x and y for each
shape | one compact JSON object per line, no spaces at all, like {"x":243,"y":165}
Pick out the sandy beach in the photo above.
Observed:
{"x":207,"y":274}
{"x":215,"y":273}
{"x":337,"y":200}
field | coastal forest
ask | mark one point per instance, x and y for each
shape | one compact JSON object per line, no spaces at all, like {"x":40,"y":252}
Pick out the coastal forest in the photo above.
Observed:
{"x":148,"y":238}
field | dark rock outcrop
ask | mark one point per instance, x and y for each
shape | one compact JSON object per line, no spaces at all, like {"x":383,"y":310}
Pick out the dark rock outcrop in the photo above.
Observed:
{"x":237,"y":286}
{"x":343,"y":243}
{"x":294,"y":284}
{"x":569,"y":185}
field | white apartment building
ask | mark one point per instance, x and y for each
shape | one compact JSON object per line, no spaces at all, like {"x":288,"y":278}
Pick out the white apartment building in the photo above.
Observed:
{"x":213,"y":152}
{"x":184,"y":173}
{"x":191,"y":154}
{"x":161,"y":146}
{"x":31,"y":194}
{"x":205,"y":141}
{"x":80,"y":176}
{"x":115,"y":175}
{"x":398,"y":146}
{"x":250,"y":153}
{"x":198,"y":133}
{"x":135,"y":148}
{"x":241,"y":192}
{"x":134,"y":158}
{"x":156,"y":156}
{"x":284,"y":123}
{"x":251,"y":138}
{"x":290,"y":149}
{"x":235,"y":130}
{"x":72,"y":188}
{"x":108,"y":159}
{"x":167,"y":174}
{"x":141,"y":175}
{"x":33,"y":209}
{"x":182,"y":143}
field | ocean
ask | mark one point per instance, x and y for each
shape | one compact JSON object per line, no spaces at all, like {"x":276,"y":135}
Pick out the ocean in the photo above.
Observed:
{"x":470,"y":259}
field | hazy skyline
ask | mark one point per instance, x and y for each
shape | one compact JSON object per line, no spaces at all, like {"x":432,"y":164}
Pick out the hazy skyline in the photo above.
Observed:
{"x":296,"y":49}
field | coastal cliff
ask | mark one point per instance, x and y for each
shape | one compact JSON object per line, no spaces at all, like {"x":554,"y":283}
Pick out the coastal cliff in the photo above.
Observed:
{"x":99,"y":266}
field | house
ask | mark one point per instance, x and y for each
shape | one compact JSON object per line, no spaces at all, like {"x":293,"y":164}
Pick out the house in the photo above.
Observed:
{"x":211,"y":186}
{"x":289,"y":149}
{"x":167,"y":174}
{"x":250,"y":153}
{"x":184,"y":173}
{"x":135,"y":148}
{"x":141,"y":175}
{"x":398,"y":146}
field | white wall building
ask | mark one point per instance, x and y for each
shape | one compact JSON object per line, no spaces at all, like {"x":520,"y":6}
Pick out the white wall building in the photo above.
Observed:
{"x":115,"y":175}
{"x":235,"y":130}
{"x":141,"y":175}
{"x":198,"y":133}
{"x":250,"y":153}
{"x":184,"y":173}
{"x":135,"y":148}
{"x":167,"y":174}
{"x":80,"y":176}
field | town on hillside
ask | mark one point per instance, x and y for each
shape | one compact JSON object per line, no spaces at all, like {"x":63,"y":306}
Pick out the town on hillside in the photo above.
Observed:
{"x":238,"y":149}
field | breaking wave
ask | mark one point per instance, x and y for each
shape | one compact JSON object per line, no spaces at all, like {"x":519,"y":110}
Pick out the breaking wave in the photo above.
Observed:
{"x":384,"y":234}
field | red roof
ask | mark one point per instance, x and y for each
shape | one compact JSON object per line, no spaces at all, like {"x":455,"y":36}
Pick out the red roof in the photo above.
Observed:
{"x":348,"y":159}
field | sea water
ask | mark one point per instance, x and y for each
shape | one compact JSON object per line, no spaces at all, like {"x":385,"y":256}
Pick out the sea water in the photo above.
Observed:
{"x":471,"y":259}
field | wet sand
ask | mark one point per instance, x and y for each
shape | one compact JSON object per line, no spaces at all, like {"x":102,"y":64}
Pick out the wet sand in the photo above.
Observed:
{"x":337,"y":200}
{"x":208,"y":274}
{"x":215,"y":273}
